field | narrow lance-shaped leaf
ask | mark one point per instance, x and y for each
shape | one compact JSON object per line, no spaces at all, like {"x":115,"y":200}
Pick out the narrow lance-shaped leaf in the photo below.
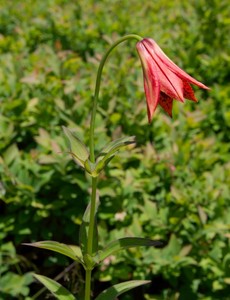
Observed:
{"x":110,"y":150}
{"x":115,"y":145}
{"x":78,"y":149}
{"x":120,"y":288}
{"x":64,"y":249}
{"x":83,"y":237}
{"x":125,"y":243}
{"x":55,"y":288}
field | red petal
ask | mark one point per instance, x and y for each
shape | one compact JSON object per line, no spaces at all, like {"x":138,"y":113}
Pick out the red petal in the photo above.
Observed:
{"x":156,"y":50}
{"x":188,"y":92}
{"x":151,"y":80}
{"x":166,"y":103}
{"x":170,"y":84}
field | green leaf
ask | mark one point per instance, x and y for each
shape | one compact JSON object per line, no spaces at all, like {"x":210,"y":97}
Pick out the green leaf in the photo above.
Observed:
{"x":125,"y":243}
{"x":120,"y":288}
{"x":202,"y":214}
{"x":78,"y":149}
{"x":110,"y":150}
{"x":90,"y":168}
{"x":64,"y":249}
{"x":116,"y":145}
{"x":11,"y":154}
{"x":13,"y":284}
{"x":83,"y":236}
{"x":55,"y":288}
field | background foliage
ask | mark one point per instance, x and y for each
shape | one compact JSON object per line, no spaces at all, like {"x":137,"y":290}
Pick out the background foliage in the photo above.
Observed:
{"x":174,"y":185}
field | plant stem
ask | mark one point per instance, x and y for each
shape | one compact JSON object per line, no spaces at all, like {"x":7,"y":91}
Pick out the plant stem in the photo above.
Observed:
{"x":92,"y":159}
{"x":88,"y":284}
{"x":90,"y":236}
{"x":92,"y":216}
{"x":97,"y":88}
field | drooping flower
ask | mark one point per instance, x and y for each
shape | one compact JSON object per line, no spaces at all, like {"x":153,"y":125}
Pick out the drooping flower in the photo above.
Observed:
{"x":163,"y":80}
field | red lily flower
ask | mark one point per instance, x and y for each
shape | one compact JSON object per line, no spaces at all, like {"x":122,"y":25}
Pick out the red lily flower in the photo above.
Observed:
{"x":163,"y":80}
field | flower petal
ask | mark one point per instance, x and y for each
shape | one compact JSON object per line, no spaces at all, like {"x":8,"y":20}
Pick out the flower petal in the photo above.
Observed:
{"x":188,"y":92}
{"x":166,"y":103}
{"x":170,"y":64}
{"x":170,"y":83}
{"x":151,"y":80}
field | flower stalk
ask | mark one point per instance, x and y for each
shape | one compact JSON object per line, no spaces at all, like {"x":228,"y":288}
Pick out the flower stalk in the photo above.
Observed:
{"x":97,"y":88}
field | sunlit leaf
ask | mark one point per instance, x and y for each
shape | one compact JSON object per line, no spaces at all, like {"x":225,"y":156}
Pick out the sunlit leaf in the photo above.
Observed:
{"x":120,"y":288}
{"x":202,"y":214}
{"x":116,"y":145}
{"x":55,"y":288}
{"x":126,"y":243}
{"x":78,"y":149}
{"x":110,"y":150}
{"x":64,"y":249}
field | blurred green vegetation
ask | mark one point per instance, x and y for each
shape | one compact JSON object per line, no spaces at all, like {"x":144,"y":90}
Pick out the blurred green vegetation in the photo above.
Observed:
{"x":174,"y":185}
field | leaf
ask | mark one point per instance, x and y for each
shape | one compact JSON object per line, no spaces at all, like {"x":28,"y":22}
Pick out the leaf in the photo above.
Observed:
{"x":83,"y":236}
{"x":13,"y":284}
{"x":64,"y":249}
{"x":55,"y":288}
{"x":116,"y":145}
{"x":90,"y":168}
{"x":11,"y":154}
{"x":102,"y":164}
{"x":125,"y":243}
{"x":202,"y":214}
{"x":110,"y":150}
{"x":78,"y":149}
{"x":173,"y":248}
{"x":120,"y":288}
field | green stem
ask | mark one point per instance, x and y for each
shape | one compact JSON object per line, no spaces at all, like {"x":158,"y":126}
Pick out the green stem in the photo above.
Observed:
{"x":92,"y":216}
{"x":92,"y":158}
{"x":88,"y":284}
{"x":97,"y":88}
{"x":90,"y":236}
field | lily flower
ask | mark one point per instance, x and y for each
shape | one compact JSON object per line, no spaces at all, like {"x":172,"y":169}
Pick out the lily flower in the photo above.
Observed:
{"x":163,"y":80}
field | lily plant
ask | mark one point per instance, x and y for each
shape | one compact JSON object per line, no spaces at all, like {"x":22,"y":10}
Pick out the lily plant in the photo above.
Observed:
{"x":163,"y":82}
